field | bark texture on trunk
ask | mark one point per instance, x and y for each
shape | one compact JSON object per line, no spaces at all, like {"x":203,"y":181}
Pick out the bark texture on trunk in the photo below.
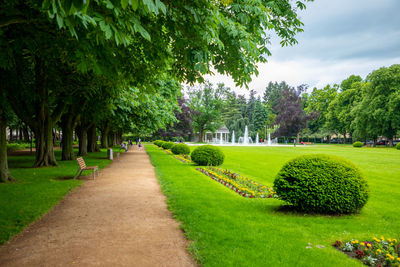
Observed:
{"x":5,"y":175}
{"x":44,"y":144}
{"x":67,"y":138}
{"x":82,"y":135}
{"x":92,"y":140}
{"x":200,"y":135}
{"x":104,"y":136}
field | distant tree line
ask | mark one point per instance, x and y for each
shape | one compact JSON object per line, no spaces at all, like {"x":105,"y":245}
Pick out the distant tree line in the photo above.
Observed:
{"x":355,"y":109}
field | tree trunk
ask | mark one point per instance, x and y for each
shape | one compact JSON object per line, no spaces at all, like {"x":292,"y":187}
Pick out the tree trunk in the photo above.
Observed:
{"x":115,"y":139}
{"x":390,"y":141}
{"x":44,"y":144}
{"x":67,"y":138}
{"x":4,"y":172}
{"x":92,"y":140}
{"x":104,"y":136}
{"x":200,"y":135}
{"x":26,"y":134}
{"x":82,"y":135}
{"x":344,"y":138}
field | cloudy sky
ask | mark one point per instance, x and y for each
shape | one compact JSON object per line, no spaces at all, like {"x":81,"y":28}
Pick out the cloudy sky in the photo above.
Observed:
{"x":340,"y":38}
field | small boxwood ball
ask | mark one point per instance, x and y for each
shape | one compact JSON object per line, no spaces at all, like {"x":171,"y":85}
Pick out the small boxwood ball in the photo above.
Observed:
{"x":207,"y":155}
{"x":168,"y":145}
{"x":358,"y":144}
{"x":160,"y":144}
{"x":398,"y":146}
{"x":180,"y":149}
{"x":322,"y":184}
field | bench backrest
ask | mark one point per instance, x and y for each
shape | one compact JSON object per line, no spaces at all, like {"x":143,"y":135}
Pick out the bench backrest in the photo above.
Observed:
{"x":81,"y":162}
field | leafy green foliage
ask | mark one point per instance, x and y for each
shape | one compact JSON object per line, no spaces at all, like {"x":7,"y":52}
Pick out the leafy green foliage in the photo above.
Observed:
{"x":398,"y":146}
{"x":180,"y":149}
{"x":158,"y":142}
{"x":378,"y":114}
{"x":167,"y":145}
{"x":207,"y":103}
{"x":322,"y":184}
{"x":207,"y":156}
{"x":358,"y":144}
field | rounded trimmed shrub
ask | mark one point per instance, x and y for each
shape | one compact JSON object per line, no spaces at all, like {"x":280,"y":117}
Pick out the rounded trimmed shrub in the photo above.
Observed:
{"x":157,"y":142}
{"x":160,"y":143}
{"x":398,"y":146}
{"x":207,"y":155}
{"x":322,"y":184}
{"x":180,"y":149}
{"x":358,"y":144}
{"x":168,"y":145}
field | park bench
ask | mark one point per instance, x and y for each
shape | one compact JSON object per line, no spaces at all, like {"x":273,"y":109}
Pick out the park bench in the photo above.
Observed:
{"x":83,"y":167}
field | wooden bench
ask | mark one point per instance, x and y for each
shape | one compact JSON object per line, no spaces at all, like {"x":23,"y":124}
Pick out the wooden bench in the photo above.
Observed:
{"x":83,"y":167}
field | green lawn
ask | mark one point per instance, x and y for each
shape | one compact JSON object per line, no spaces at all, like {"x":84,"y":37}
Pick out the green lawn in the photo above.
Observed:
{"x":229,"y":230}
{"x":37,"y":190}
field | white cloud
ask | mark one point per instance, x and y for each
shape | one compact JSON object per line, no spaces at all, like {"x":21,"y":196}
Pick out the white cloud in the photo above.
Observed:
{"x":314,"y":72}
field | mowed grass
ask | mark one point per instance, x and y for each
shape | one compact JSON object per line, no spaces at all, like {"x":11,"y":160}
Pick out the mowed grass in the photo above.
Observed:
{"x":229,"y":230}
{"x":37,"y":190}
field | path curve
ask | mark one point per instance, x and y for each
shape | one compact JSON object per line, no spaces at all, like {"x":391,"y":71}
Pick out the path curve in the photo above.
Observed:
{"x":119,"y":219}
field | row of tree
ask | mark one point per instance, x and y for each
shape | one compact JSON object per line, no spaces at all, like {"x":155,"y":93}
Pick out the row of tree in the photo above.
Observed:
{"x":356,"y":109}
{"x":115,"y":66}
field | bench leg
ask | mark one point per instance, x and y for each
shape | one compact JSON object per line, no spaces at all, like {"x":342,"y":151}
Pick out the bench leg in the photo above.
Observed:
{"x":77,"y":174}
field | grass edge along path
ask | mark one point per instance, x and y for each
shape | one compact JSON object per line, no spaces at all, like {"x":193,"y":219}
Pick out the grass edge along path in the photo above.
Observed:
{"x":229,"y":230}
{"x":38,"y":190}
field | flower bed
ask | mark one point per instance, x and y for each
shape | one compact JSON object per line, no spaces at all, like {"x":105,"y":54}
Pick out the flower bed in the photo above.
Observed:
{"x":168,"y":151}
{"x":378,"y":252}
{"x":242,"y":185}
{"x":183,"y":158}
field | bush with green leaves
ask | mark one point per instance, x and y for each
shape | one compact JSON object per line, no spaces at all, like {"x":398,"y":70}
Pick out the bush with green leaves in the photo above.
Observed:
{"x":398,"y":146}
{"x":180,"y":149}
{"x":357,"y":144}
{"x":207,"y":156}
{"x":158,"y":142}
{"x":167,"y":145}
{"x":322,"y":184}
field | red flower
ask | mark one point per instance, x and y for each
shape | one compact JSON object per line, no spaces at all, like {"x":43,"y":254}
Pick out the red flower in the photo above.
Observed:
{"x":360,"y":254}
{"x":337,"y":243}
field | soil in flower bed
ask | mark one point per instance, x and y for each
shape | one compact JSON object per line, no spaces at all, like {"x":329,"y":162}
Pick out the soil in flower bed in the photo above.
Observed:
{"x":183,"y":158}
{"x":241,"y":185}
{"x":378,"y":252}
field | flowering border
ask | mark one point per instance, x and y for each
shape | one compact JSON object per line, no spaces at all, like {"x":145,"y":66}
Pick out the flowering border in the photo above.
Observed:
{"x":378,"y":252}
{"x":238,"y":183}
{"x":183,"y":159}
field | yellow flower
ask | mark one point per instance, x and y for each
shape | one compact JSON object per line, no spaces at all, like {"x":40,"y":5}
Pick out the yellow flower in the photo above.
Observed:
{"x":382,"y":238}
{"x":362,"y":244}
{"x":398,"y":259}
{"x":394,"y":240}
{"x":365,"y":249}
{"x":369,"y":245}
{"x":389,"y":240}
{"x":391,"y":244}
{"x":378,"y":250}
{"x":376,"y":239}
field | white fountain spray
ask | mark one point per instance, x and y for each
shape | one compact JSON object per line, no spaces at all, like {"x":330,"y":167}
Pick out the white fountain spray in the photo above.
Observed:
{"x":233,"y":137}
{"x":257,"y":139}
{"x":269,"y":139}
{"x":246,"y":136}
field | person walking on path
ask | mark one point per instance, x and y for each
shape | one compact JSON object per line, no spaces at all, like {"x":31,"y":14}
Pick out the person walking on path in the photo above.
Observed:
{"x":140,"y":145}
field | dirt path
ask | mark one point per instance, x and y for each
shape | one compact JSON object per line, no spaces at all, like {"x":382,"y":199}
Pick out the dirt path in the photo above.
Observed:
{"x":119,"y":219}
